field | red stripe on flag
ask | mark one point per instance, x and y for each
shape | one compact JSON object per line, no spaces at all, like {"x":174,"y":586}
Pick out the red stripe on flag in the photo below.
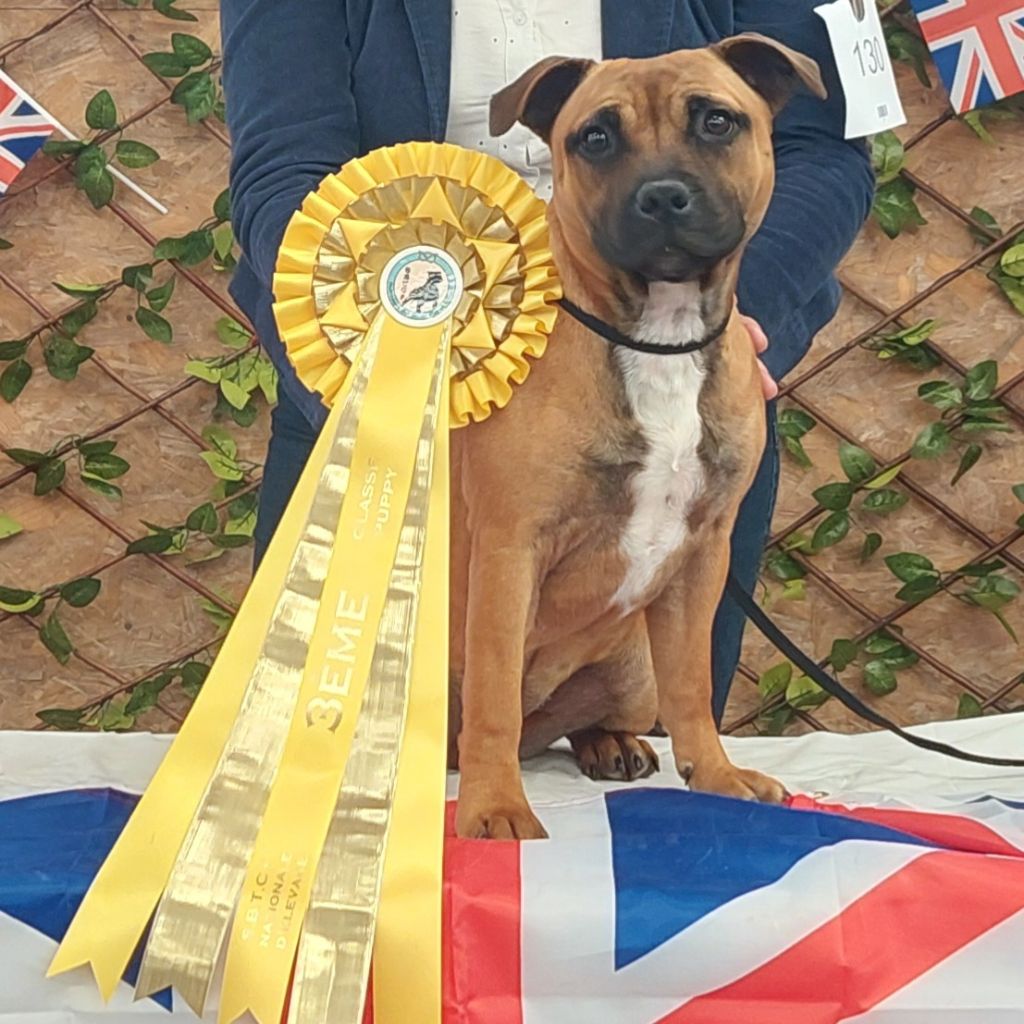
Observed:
{"x":883,"y":941}
{"x":950,"y":831}
{"x":9,"y":170}
{"x":6,"y":94}
{"x":483,"y":963}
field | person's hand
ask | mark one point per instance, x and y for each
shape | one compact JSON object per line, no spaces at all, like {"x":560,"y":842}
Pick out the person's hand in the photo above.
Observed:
{"x":760,"y":340}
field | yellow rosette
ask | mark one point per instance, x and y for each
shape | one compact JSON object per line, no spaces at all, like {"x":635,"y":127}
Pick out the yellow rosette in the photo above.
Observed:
{"x":412,"y":290}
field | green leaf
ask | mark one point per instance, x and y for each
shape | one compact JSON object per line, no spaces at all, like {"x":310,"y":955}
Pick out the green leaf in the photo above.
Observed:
{"x":12,"y":349}
{"x":73,"y":321}
{"x":17,"y":601}
{"x":63,"y":356}
{"x":190,"y":49}
{"x":96,"y":447}
{"x":884,"y":501}
{"x":139,"y":276}
{"x":100,"y":113}
{"x":153,"y":544}
{"x":910,"y":48}
{"x":783,"y":566}
{"x":244,"y":417}
{"x":155,"y":326}
{"x":1012,"y":288}
{"x":26,"y":456}
{"x":232,"y":333}
{"x":196,"y":93}
{"x":979,"y":569}
{"x":236,"y":395}
{"x":1018,"y":491}
{"x":55,"y":639}
{"x":58,"y":148}
{"x":796,"y":449}
{"x":9,"y":527}
{"x":49,"y":476}
{"x":13,"y":379}
{"x":895,"y":208}
{"x":887,"y":156}
{"x":220,"y":440}
{"x":879,"y":678}
{"x":899,"y":656}
{"x":135,"y":154}
{"x":230,"y":540}
{"x":970,"y":456}
{"x":775,"y":680}
{"x":204,"y":370}
{"x":831,"y":530}
{"x":81,"y":592}
{"x":880,"y":642}
{"x":98,"y":185}
{"x":941,"y":394}
{"x":223,"y":241}
{"x":221,"y":619}
{"x":843,"y":653}
{"x":166,"y":65}
{"x":267,"y":375}
{"x":932,"y":442}
{"x":65,"y":719}
{"x":968,"y":706}
{"x":986,"y":219}
{"x":100,"y":486}
{"x":107,"y":467}
{"x":168,"y":10}
{"x":795,"y":423}
{"x":159,"y":297}
{"x":114,"y":717}
{"x":1012,"y":261}
{"x":804,"y":692}
{"x":918,"y":590}
{"x":222,"y":467}
{"x":884,"y":478}
{"x":222,"y":206}
{"x":169,"y":248}
{"x":982,"y":379}
{"x":907,"y":566}
{"x":80,"y":291}
{"x":202,"y":519}
{"x":193,"y":675}
{"x":857,"y":464}
{"x":872,"y":542}
{"x":833,"y":496}
{"x":198,"y":245}
{"x":144,"y":695}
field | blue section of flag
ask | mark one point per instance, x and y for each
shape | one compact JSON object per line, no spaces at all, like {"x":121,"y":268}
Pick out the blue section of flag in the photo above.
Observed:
{"x":51,"y":847}
{"x":677,"y":856}
{"x":25,"y":149}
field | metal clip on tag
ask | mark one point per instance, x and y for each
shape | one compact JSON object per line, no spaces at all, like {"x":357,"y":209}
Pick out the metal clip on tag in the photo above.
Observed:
{"x":859,"y":10}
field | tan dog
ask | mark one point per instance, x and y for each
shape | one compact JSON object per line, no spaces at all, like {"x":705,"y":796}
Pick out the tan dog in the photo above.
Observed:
{"x":591,"y":518}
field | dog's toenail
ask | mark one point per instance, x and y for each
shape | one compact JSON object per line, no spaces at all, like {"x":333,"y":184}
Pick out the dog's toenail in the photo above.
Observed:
{"x":638,"y":761}
{"x":686,"y":771}
{"x":620,"y":765}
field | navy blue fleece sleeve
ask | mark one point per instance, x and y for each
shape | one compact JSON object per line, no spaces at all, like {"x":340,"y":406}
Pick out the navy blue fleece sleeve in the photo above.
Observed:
{"x":290,"y":112}
{"x":823,"y":191}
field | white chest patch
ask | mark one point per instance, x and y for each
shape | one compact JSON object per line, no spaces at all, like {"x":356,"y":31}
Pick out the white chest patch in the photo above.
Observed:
{"x":663,"y":393}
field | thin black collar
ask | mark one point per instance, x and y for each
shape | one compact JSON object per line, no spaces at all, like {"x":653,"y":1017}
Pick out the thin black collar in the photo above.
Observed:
{"x":616,"y":337}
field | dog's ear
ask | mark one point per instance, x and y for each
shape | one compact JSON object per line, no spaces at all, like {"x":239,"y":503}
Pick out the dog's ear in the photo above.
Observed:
{"x":771,"y":68}
{"x":537,"y":95}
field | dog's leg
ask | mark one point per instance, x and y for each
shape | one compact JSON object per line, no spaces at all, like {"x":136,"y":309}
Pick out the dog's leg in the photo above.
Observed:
{"x":502,"y":581}
{"x":679,"y":624}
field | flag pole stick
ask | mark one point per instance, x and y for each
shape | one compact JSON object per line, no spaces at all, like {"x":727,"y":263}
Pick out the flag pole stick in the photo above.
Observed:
{"x":126,"y":181}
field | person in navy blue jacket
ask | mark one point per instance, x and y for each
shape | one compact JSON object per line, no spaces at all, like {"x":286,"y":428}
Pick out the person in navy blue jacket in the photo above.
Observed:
{"x":310,"y":84}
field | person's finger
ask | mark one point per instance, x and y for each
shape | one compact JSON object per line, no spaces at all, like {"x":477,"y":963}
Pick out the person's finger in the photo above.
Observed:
{"x":768,"y":385}
{"x":757,"y":335}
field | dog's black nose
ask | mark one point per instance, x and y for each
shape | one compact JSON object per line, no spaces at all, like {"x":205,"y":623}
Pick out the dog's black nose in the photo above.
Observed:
{"x":662,"y":201}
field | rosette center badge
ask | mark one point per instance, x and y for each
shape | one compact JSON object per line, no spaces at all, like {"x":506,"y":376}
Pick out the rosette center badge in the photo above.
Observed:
{"x":421,"y":286}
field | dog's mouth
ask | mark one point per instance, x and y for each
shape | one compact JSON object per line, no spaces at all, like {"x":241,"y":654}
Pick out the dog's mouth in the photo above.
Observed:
{"x":674,"y":264}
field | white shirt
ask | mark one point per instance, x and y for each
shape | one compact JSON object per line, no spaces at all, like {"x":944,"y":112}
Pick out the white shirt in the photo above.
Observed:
{"x":493,"y":43}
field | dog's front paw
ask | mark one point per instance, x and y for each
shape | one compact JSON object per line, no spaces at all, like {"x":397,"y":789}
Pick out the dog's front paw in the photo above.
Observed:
{"x":727,"y":780}
{"x":481,"y":815}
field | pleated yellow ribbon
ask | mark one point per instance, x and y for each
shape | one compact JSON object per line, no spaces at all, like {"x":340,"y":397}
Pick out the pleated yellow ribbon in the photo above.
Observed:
{"x":298,"y":818}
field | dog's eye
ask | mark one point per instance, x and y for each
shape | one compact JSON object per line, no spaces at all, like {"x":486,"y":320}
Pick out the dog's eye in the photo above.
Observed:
{"x":719,"y":122}
{"x":594,"y":140}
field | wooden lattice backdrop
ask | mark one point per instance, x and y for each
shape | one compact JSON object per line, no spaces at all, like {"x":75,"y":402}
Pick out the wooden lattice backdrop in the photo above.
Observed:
{"x":144,"y":420}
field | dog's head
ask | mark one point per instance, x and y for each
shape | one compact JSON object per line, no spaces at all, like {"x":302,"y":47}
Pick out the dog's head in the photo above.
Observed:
{"x":663,"y":166}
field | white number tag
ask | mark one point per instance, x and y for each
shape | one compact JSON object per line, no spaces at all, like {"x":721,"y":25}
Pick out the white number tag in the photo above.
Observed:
{"x":865,"y":70}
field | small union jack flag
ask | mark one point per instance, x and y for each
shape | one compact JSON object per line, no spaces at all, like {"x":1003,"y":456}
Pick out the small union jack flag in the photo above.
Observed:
{"x":978,"y":46}
{"x":23,"y":130}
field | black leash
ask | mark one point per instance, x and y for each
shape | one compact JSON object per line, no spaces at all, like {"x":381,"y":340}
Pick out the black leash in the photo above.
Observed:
{"x":749,"y":606}
{"x":832,"y":686}
{"x":616,"y":337}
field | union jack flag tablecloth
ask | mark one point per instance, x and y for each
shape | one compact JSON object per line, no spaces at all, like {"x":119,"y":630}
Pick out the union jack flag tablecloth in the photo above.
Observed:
{"x":23,"y":130}
{"x":890,"y":892}
{"x":978,"y":47}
